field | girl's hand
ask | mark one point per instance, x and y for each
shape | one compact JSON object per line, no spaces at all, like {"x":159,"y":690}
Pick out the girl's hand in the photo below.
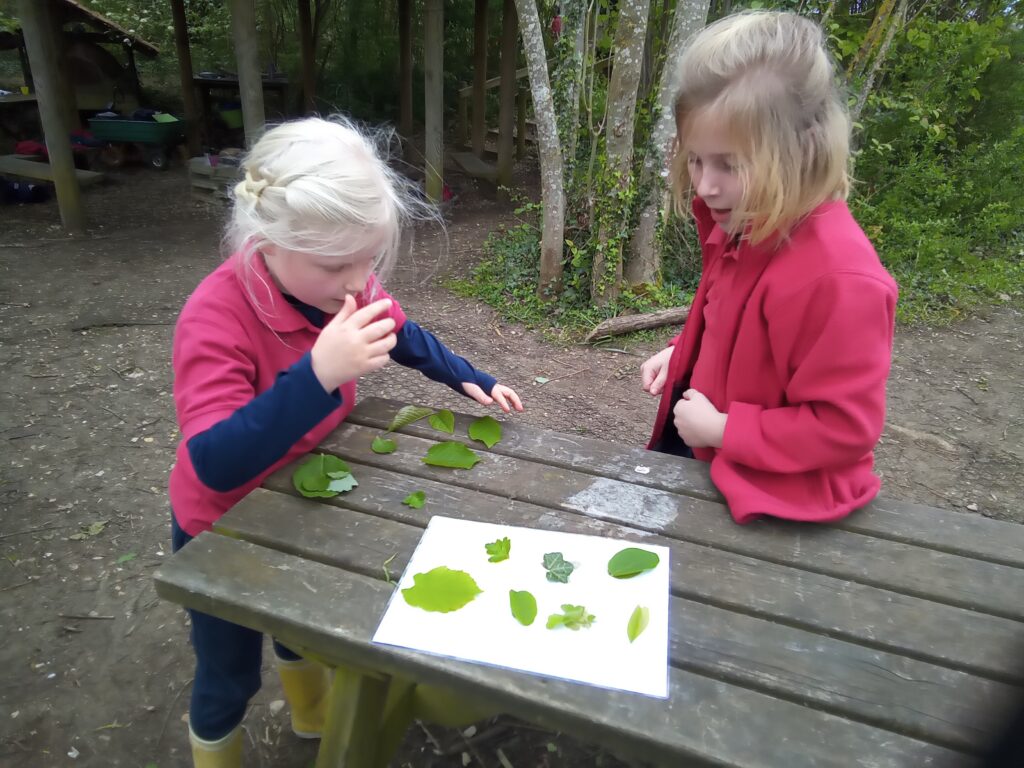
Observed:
{"x":506,"y":397}
{"x":353,"y":343}
{"x":654,"y":372}
{"x":700,"y":424}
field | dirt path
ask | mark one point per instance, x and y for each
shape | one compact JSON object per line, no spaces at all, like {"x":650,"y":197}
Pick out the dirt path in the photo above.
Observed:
{"x":96,"y":668}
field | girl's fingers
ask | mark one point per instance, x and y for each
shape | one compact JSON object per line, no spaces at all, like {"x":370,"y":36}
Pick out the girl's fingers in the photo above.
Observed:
{"x":377,"y":330}
{"x":363,"y":317}
{"x":381,"y":346}
{"x":513,"y":398}
{"x":499,"y":396}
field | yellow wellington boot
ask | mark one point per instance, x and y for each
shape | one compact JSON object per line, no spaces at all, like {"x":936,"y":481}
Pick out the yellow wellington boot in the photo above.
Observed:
{"x":223,"y":753}
{"x":306,"y":686}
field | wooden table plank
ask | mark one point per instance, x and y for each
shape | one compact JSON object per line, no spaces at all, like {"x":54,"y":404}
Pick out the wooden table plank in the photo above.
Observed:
{"x":911,"y":697}
{"x":706,"y":722}
{"x":955,"y":532}
{"x":939,"y":576}
{"x":866,"y":615}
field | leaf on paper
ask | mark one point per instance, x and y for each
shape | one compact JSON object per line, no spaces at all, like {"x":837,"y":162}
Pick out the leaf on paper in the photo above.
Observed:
{"x":486,"y":430}
{"x":630,"y":562}
{"x":557,"y":567}
{"x":441,"y":589}
{"x":383,"y":445}
{"x":450,"y":454}
{"x":407,"y":416}
{"x":638,"y":622}
{"x":498,"y":550}
{"x":573,"y":617}
{"x":443,"y":421}
{"x":416,"y":500}
{"x":523,"y":605}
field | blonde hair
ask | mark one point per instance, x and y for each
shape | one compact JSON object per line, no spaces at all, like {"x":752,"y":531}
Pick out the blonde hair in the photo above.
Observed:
{"x":323,"y":187}
{"x":768,"y":76}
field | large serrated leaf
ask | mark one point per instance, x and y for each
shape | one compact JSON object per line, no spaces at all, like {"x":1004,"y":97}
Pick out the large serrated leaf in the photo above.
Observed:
{"x":450,"y":454}
{"x":441,"y":589}
{"x":486,"y":430}
{"x":407,"y":415}
{"x":443,"y":421}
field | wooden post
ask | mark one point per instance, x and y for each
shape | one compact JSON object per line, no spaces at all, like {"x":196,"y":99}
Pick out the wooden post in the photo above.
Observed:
{"x":188,"y":89}
{"x":133,"y":70}
{"x":463,"y":125}
{"x":405,"y":67}
{"x":26,"y":70}
{"x":507,"y":91}
{"x":479,"y":77}
{"x":522,"y":101}
{"x":433,"y":95}
{"x":38,"y":29}
{"x":247,"y":56}
{"x":67,"y":102}
{"x":308,"y":56}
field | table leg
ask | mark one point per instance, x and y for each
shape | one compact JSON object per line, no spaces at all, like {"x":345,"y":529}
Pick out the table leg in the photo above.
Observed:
{"x":353,"y":720}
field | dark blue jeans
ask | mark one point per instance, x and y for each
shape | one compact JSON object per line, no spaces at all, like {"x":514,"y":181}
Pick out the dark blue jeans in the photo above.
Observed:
{"x":228,"y":662}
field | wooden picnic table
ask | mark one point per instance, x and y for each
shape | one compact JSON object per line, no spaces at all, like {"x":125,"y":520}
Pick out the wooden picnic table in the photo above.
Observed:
{"x":893,"y":638}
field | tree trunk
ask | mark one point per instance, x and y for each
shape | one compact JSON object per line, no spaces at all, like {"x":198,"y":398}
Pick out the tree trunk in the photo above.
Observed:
{"x":616,"y":326}
{"x":630,"y":34}
{"x":507,"y":91}
{"x":569,"y":78}
{"x":308,"y":58}
{"x":405,"y":67}
{"x":479,"y":77}
{"x":895,"y":22}
{"x":859,"y":63}
{"x":247,"y":56}
{"x":644,"y":262}
{"x":433,"y":94}
{"x":188,"y":90}
{"x":550,"y":150}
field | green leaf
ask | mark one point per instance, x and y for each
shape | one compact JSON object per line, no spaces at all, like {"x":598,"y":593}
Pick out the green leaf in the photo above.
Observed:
{"x":342,"y":484}
{"x":498,"y":550}
{"x":450,"y":454}
{"x":442,"y":590}
{"x":556,"y":566}
{"x":630,"y":562}
{"x":443,"y":421}
{"x":638,"y":622}
{"x":383,"y":445}
{"x":407,"y":416}
{"x":573,"y":617}
{"x":524,"y":606}
{"x":486,"y":430}
{"x":416,"y":500}
{"x":127,"y":558}
{"x":315,"y":476}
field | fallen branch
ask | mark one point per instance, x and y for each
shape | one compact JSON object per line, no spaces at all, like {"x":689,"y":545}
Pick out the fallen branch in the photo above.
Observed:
{"x":629,"y":323}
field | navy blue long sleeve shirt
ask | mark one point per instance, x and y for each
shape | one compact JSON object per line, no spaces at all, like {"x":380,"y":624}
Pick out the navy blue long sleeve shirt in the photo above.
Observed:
{"x":241,"y":446}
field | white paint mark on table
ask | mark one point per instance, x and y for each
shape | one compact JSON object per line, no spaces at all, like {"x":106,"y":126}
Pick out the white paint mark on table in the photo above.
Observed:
{"x":624,"y":503}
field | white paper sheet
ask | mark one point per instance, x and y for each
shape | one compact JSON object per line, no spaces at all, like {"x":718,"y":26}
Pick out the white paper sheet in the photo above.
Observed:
{"x":485,"y":630}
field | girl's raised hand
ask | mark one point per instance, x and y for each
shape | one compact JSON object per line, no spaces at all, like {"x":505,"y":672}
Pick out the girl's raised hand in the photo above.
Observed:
{"x":505,"y":397}
{"x":654,"y":372}
{"x":353,"y":343}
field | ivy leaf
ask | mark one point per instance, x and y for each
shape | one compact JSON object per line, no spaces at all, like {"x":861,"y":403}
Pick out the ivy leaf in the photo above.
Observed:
{"x":573,"y":617}
{"x":498,"y":550}
{"x":450,"y":454}
{"x":407,"y":416}
{"x":487,"y":430}
{"x":630,"y":562}
{"x":443,"y":421}
{"x":383,"y":445}
{"x":442,"y":590}
{"x":638,"y":622}
{"x":416,"y":500}
{"x":342,"y":484}
{"x":558,"y":569}
{"x":523,"y":605}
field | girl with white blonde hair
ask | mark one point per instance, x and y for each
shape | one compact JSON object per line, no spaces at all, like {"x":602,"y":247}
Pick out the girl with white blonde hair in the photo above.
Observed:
{"x":778,"y":377}
{"x":267,"y":351}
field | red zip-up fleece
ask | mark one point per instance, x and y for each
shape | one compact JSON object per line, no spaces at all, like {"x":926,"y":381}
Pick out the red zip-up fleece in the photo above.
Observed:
{"x":799,"y":345}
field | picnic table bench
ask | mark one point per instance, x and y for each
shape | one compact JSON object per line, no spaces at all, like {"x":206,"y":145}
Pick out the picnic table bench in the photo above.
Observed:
{"x":892,"y":638}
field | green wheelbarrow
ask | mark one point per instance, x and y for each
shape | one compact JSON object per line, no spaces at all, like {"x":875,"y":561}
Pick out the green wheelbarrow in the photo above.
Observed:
{"x":155,"y":139}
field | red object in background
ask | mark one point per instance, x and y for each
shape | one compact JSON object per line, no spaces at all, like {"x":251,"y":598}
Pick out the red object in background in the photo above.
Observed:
{"x":81,"y":140}
{"x":556,"y":26}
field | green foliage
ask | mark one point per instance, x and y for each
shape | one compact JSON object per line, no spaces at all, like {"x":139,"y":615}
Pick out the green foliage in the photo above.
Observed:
{"x":451,"y":455}
{"x":443,"y":421}
{"x":323,"y":476}
{"x":631,"y":562}
{"x":498,"y":550}
{"x":383,"y":445}
{"x":442,"y":590}
{"x":415,"y":500}
{"x":486,"y":430}
{"x":558,"y":568}
{"x":638,"y":622}
{"x":523,"y":605}
{"x":574,"y":617}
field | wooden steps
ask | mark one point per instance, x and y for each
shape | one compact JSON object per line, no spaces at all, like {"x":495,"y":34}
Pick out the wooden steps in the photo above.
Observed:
{"x":474,"y":166}
{"x":18,"y":167}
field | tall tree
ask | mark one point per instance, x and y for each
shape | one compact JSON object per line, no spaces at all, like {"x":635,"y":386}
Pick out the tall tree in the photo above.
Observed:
{"x":644,"y":260}
{"x":550,"y":150}
{"x":630,"y":35}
